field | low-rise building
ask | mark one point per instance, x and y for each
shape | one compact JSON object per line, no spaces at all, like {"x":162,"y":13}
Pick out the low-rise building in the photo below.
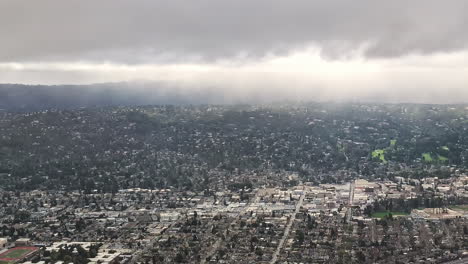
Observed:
{"x":3,"y":243}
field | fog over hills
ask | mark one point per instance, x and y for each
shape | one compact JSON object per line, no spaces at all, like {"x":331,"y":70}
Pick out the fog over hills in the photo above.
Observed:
{"x":36,"y":97}
{"x":20,"y":97}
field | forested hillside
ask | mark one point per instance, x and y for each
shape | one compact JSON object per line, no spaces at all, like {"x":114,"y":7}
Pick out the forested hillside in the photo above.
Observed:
{"x":201,"y":146}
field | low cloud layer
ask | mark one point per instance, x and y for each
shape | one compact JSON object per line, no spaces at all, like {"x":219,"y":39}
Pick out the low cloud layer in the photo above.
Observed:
{"x":135,"y":31}
{"x":343,"y":50}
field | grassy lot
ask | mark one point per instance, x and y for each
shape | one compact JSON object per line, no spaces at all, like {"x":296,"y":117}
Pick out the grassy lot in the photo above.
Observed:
{"x":384,"y":214}
{"x":427,"y":157}
{"x":4,"y":262}
{"x":379,"y":153}
{"x":442,"y":158}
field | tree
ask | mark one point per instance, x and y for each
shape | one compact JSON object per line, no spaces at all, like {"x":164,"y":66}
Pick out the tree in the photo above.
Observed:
{"x":179,"y":258}
{"x":300,"y":237}
{"x":258,"y":251}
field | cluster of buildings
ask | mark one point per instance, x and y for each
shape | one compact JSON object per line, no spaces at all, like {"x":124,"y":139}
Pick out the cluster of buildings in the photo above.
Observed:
{"x":305,"y":222}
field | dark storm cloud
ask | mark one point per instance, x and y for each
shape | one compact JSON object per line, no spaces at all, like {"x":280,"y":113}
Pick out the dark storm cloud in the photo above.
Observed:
{"x":136,"y":31}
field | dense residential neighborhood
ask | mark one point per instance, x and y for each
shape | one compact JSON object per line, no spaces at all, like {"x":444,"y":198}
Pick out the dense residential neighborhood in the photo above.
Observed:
{"x":235,"y":184}
{"x":363,"y":221}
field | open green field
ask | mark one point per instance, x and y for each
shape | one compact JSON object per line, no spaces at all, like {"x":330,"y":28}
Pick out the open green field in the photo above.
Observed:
{"x":379,"y":153}
{"x":17,"y":253}
{"x":442,"y":158}
{"x":427,"y":157}
{"x":384,"y":214}
{"x":463,"y":207}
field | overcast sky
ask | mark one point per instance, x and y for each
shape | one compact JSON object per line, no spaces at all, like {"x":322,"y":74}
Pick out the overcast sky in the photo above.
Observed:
{"x":399,"y":50}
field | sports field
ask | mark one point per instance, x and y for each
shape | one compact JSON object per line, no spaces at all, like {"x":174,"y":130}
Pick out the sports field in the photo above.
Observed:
{"x":385,"y":214}
{"x":15,"y":254}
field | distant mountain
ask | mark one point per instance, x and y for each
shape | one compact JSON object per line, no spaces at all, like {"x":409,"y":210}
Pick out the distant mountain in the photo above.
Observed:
{"x":18,"y":97}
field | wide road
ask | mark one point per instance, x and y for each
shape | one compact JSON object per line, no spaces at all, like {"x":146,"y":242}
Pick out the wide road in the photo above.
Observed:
{"x":351,"y":193}
{"x":288,"y":229}
{"x":349,"y":214}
